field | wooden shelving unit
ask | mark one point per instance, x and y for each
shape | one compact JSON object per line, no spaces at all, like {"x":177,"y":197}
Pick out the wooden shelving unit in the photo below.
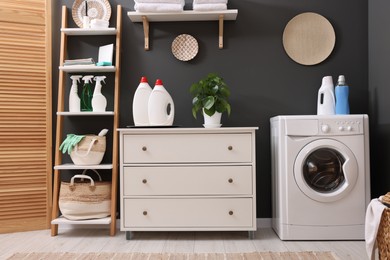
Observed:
{"x":65,"y":32}
{"x":185,"y":16}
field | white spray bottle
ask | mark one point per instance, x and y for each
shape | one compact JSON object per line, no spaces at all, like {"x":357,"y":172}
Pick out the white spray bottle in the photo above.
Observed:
{"x":74,"y":100}
{"x":326,"y":100}
{"x":99,"y":102}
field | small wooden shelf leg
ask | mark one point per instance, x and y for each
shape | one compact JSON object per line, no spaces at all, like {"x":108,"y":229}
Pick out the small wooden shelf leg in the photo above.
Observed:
{"x":221,"y":18}
{"x":146,"y":32}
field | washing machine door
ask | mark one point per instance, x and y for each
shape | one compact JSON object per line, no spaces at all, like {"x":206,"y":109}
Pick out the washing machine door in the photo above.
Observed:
{"x":325,"y":170}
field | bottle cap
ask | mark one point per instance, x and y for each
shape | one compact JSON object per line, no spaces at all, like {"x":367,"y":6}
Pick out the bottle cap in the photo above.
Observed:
{"x":144,"y":80}
{"x":158,"y":82}
{"x":341,"y":80}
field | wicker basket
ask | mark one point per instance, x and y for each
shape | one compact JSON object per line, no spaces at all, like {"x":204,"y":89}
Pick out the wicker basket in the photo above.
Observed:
{"x":383,"y":237}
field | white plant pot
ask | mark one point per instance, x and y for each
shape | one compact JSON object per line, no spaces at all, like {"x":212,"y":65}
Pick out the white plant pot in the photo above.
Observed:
{"x":213,"y":121}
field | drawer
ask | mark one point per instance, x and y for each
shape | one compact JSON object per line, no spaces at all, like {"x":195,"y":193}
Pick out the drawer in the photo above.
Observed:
{"x":187,"y":180}
{"x":199,"y":212}
{"x":187,"y":148}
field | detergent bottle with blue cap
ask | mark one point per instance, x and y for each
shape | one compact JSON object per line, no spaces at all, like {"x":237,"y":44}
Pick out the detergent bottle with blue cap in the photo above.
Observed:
{"x":342,"y":93}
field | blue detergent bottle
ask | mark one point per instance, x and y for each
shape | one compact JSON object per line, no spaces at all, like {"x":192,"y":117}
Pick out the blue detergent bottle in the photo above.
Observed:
{"x":342,"y":93}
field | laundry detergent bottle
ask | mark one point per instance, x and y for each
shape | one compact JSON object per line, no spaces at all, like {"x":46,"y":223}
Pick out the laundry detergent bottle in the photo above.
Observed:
{"x":74,"y":99}
{"x":342,"y":93}
{"x":140,"y":103}
{"x":99,"y":102}
{"x":86,"y":94}
{"x":326,"y":99}
{"x":161,"y":109}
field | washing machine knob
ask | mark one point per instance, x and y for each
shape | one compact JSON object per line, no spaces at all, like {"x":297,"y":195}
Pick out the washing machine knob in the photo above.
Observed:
{"x":349,"y":128}
{"x":341,"y":128}
{"x":325,"y":128}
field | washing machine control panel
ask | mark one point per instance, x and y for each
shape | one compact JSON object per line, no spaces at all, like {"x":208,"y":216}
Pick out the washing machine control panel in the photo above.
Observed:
{"x":341,"y":126}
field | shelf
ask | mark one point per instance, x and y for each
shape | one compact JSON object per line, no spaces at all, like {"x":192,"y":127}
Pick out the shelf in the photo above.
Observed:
{"x":185,"y":16}
{"x":88,"y":32}
{"x":87,"y":68}
{"x":63,"y":220}
{"x":71,"y":166}
{"x":60,"y":129}
{"x":65,"y":113}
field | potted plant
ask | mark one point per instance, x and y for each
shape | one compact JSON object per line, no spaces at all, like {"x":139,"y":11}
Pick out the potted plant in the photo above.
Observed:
{"x":211,"y":96}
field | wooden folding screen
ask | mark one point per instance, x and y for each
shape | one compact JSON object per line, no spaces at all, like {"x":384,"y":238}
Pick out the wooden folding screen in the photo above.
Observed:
{"x":25,"y":115}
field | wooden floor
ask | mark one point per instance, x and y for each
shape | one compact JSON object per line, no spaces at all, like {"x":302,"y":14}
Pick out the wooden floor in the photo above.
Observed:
{"x":98,"y":240}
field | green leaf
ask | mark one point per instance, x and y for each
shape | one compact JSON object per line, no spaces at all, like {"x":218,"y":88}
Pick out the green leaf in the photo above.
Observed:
{"x":208,"y":102}
{"x":210,"y":111}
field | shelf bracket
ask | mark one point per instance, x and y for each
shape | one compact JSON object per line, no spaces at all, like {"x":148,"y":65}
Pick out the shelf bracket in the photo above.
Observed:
{"x":145,"y":23}
{"x":221,"y":18}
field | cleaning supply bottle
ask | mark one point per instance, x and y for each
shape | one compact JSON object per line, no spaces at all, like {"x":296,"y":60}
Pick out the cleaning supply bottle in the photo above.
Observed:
{"x":326,"y":100}
{"x":99,"y":102}
{"x":342,"y":93}
{"x":161,"y":109}
{"x":74,"y":100}
{"x":86,"y":94}
{"x":140,"y":103}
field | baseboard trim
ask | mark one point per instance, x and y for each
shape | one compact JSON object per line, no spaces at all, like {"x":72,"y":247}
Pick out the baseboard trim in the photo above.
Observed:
{"x":261,"y":223}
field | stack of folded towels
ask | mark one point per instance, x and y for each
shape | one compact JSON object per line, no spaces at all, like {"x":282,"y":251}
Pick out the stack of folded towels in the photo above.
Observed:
{"x":209,"y":5}
{"x":159,"y":6}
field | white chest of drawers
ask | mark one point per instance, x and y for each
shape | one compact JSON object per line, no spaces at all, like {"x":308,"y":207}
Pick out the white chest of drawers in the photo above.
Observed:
{"x":183,"y":179}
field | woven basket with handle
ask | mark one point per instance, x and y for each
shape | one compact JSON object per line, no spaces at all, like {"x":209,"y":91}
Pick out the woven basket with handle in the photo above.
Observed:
{"x":383,"y":236}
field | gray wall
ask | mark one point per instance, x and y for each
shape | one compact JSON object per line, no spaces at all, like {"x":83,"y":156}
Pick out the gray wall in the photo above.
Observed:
{"x":264,"y":81}
{"x":379,"y":93}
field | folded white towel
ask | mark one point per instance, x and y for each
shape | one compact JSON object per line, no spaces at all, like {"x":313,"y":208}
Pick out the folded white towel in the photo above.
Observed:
{"x":209,"y":7}
{"x":210,"y":1}
{"x":158,"y":8}
{"x":161,"y":1}
{"x":373,"y":219}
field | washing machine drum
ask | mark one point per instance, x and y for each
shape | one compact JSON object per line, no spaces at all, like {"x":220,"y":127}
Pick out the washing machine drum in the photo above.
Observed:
{"x":325,"y":170}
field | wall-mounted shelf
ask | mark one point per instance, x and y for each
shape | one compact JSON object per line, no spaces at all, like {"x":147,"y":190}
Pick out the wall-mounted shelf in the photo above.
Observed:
{"x":184,"y":16}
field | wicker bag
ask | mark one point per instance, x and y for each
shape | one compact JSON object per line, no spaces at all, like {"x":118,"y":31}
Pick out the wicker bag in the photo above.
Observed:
{"x":383,"y":236}
{"x":89,"y":151}
{"x":80,"y":200}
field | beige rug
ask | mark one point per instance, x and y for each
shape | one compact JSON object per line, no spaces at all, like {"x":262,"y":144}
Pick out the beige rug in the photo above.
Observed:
{"x":176,"y":256}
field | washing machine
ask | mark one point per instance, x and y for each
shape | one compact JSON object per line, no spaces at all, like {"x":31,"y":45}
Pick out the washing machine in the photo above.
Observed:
{"x":320,"y":176}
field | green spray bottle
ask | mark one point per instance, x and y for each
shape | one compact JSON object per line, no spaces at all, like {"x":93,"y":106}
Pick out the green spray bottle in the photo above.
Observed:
{"x":86,"y":94}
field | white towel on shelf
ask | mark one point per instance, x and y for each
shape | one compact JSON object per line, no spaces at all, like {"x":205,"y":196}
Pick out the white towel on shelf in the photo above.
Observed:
{"x":210,"y":1}
{"x":161,"y":1}
{"x":209,"y":7}
{"x":158,"y":8}
{"x":373,"y":219}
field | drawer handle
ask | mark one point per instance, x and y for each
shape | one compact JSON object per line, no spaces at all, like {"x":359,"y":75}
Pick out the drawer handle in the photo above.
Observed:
{"x":145,"y":213}
{"x":230,"y":147}
{"x":144,"y":181}
{"x":231,"y":212}
{"x":230,"y":180}
{"x":144,"y":148}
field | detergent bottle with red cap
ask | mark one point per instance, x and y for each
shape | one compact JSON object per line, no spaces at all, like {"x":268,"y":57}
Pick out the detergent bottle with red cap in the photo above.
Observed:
{"x":161,"y":109}
{"x":140,"y":103}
